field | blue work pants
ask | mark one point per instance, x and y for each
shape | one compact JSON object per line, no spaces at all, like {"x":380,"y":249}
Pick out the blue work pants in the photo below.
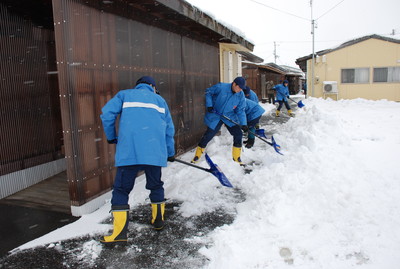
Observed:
{"x":281,"y":102}
{"x":125,"y":180}
{"x":235,"y":131}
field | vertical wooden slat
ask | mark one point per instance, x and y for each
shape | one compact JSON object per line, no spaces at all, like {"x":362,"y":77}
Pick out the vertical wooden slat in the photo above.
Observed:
{"x":29,"y":114}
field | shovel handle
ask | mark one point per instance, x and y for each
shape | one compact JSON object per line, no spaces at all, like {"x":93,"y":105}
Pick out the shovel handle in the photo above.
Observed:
{"x":234,"y":122}
{"x":293,"y":100}
{"x":269,"y":143}
{"x":193,"y":165}
{"x":274,"y":145}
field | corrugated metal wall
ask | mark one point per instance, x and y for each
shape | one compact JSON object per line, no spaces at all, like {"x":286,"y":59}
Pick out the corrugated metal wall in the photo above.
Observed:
{"x":30,"y":121}
{"x":99,"y":53}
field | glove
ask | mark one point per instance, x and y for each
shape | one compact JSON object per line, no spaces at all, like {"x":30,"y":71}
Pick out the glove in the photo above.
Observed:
{"x":244,"y":128}
{"x":113,"y":141}
{"x":210,"y":109}
{"x":171,"y":159}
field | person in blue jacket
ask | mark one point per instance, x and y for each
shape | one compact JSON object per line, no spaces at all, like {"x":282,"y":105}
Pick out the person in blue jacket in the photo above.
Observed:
{"x":282,"y":95}
{"x":253,"y":114}
{"x":145,"y":142}
{"x":250,"y":94}
{"x":226,"y":99}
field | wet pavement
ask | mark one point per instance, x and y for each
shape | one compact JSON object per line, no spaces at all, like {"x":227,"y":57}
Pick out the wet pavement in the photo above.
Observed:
{"x":271,"y":123}
{"x":19,"y":225}
{"x":176,"y":246}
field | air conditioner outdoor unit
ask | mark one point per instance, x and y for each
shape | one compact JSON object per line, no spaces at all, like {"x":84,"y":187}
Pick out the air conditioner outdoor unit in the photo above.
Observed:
{"x":330,"y":87}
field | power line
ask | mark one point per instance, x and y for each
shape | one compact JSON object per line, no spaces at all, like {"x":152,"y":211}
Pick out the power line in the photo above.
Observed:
{"x":294,"y":15}
{"x":288,"y":13}
{"x":329,"y":10}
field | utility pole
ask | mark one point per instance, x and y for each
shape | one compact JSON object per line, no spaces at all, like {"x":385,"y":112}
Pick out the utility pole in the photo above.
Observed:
{"x":313,"y":56}
{"x":275,"y":56}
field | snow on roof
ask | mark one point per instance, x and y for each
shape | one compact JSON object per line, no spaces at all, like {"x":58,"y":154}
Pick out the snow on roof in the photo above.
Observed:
{"x":224,"y":23}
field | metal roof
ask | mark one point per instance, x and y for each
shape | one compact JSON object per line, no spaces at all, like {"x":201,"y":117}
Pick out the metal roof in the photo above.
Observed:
{"x":280,"y":69}
{"x":251,"y":57}
{"x":184,"y":15}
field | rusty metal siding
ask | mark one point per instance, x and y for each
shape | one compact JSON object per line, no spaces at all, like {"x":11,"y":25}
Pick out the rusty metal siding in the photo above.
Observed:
{"x":253,"y":77}
{"x":100,"y":53}
{"x":30,"y":122}
{"x":253,"y":80}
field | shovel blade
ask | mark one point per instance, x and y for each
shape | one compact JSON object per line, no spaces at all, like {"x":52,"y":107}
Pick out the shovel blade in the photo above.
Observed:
{"x":300,"y":104}
{"x":216,"y":171}
{"x":261,"y":132}
{"x":276,"y":146}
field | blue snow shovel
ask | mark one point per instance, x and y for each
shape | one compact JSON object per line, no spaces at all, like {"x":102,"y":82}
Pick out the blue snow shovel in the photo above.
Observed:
{"x":214,"y":169}
{"x":273,"y":144}
{"x":299,"y":104}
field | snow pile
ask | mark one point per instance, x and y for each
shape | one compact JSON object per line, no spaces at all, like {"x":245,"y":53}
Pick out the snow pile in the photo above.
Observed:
{"x":332,"y":200}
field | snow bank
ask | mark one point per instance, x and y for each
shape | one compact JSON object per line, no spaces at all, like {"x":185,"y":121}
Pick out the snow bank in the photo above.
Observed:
{"x":330,"y":202}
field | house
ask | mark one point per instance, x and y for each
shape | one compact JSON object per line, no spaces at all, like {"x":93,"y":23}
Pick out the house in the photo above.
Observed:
{"x":259,"y":75}
{"x":366,"y":67}
{"x":231,"y":58}
{"x":61,"y":61}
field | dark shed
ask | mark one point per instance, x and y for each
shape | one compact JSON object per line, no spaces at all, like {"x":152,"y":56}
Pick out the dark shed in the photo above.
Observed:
{"x":85,"y":51}
{"x":260,"y":77}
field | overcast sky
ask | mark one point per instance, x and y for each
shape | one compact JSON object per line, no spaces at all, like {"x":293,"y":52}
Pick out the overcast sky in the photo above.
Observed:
{"x":288,"y":23}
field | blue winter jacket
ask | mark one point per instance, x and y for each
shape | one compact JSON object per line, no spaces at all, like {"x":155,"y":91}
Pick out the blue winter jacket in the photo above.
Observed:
{"x":145,"y":129}
{"x":226,"y":102}
{"x":252,"y":96}
{"x":253,"y":110}
{"x":282,"y":92}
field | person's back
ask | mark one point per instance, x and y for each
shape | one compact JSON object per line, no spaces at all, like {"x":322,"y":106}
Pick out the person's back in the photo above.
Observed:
{"x":144,"y":123}
{"x":250,"y":94}
{"x":253,"y":114}
{"x":253,"y":110}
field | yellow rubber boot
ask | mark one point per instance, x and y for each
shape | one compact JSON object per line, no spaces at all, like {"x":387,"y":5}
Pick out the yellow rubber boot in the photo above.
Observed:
{"x":277,"y":113}
{"x":197,"y":155}
{"x":236,"y":155}
{"x":157,"y":214}
{"x":121,"y":221}
{"x":290,"y":113}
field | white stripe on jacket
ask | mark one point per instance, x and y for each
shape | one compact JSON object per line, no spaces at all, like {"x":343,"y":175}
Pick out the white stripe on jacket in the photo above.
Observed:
{"x":145,"y":105}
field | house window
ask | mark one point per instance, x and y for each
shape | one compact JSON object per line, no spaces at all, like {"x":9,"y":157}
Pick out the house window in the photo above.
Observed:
{"x":387,"y":74}
{"x":355,"y":75}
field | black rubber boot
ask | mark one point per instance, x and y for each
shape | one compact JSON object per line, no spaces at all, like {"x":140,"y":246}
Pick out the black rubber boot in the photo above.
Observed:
{"x":250,"y":143}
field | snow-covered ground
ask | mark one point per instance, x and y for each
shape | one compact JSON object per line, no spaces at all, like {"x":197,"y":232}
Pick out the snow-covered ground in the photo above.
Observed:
{"x":332,"y":200}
